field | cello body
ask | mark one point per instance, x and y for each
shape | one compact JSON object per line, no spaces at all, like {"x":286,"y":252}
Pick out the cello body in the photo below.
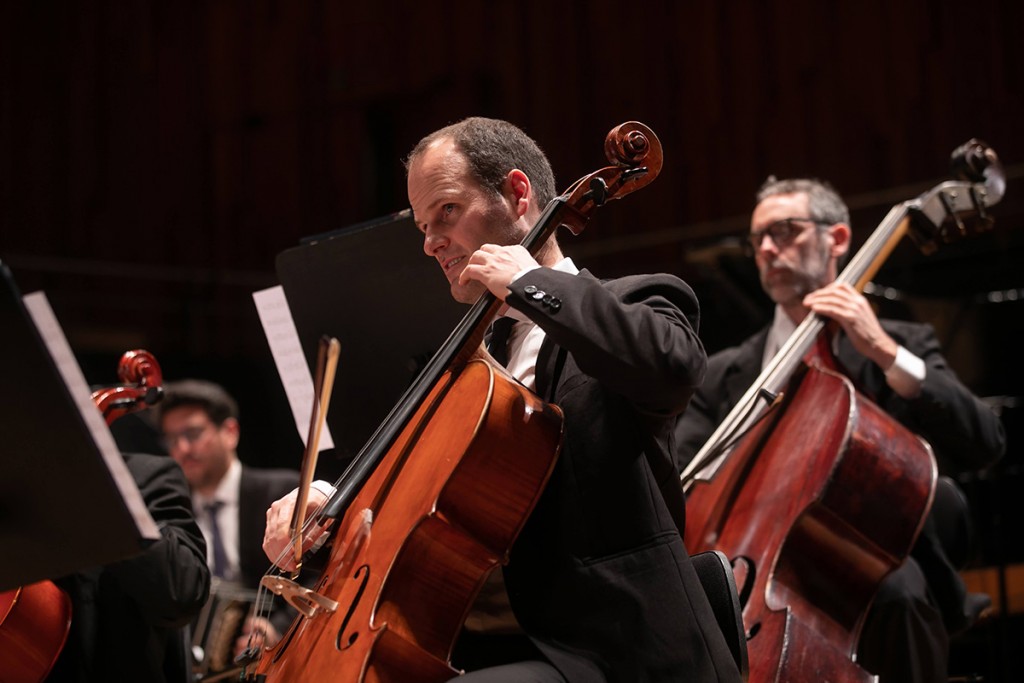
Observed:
{"x":436,"y":498}
{"x":34,"y":624}
{"x":35,"y":619}
{"x":447,"y":502}
{"x":814,"y":507}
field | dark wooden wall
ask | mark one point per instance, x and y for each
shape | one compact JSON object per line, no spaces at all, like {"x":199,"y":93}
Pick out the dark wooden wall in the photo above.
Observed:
{"x":157,"y":156}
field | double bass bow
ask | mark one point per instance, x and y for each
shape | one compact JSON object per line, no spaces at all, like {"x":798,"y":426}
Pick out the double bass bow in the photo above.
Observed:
{"x":35,"y":619}
{"x":812,"y":490}
{"x":437,"y":496}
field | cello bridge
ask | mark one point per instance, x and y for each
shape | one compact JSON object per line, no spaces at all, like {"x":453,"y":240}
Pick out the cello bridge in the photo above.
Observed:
{"x":308,"y":602}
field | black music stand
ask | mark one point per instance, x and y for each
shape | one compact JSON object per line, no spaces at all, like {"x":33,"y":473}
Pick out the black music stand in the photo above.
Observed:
{"x":64,"y":505}
{"x":388,"y":304}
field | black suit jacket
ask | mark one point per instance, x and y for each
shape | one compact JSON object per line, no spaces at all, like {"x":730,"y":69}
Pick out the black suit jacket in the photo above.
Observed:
{"x":127,"y":616}
{"x":599,"y":578}
{"x":257,"y":490}
{"x":963,"y":432}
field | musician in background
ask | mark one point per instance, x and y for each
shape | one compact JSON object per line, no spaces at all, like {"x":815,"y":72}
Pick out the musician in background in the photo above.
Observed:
{"x":199,"y":423}
{"x":128,"y":617}
{"x":800,"y":232}
{"x":599,"y":582}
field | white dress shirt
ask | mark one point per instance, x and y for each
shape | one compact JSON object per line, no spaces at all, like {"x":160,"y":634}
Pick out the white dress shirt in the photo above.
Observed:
{"x":227,"y":493}
{"x":526,"y":338}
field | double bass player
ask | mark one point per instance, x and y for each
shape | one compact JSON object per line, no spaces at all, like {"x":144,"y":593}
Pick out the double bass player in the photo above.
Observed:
{"x":799,"y":233}
{"x":599,"y":583}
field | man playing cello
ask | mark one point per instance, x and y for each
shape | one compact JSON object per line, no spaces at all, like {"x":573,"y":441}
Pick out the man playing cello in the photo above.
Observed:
{"x":599,"y":582}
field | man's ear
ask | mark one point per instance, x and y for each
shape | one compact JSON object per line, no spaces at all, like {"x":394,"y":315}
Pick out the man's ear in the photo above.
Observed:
{"x":231,"y":431}
{"x":841,"y":234}
{"x":518,"y":192}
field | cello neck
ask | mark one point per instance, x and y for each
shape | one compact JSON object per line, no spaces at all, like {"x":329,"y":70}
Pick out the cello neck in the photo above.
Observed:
{"x":636,"y":157}
{"x":461,"y":344}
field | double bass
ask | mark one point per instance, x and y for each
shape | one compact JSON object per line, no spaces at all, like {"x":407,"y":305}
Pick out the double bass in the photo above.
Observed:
{"x":35,"y":619}
{"x":812,"y":491}
{"x":436,"y":498}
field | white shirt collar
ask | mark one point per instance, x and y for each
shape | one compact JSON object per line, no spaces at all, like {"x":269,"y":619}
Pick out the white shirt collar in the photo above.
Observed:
{"x":227,"y":490}
{"x":781,"y":329}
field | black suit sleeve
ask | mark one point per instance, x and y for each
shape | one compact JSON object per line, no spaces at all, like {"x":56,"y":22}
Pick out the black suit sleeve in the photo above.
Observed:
{"x":169,"y":580}
{"x":964,"y":432}
{"x":636,"y":335}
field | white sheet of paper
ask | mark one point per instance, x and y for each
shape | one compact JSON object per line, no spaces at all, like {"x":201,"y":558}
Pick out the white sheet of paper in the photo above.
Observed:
{"x":286,"y":349}
{"x":57,"y":344}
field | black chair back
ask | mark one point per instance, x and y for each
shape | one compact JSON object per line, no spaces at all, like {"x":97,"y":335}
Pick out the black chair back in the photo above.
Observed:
{"x":716,"y":577}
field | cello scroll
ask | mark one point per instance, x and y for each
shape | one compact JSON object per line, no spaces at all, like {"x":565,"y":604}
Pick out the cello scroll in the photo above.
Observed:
{"x":636,"y":155}
{"x":141,"y":379}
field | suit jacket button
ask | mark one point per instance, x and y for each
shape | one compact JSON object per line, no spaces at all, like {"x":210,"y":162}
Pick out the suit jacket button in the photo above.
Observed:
{"x":530,"y":289}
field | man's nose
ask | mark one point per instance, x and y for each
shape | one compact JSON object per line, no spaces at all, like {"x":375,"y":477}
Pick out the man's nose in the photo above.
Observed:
{"x":767,"y":245}
{"x":432,"y":241}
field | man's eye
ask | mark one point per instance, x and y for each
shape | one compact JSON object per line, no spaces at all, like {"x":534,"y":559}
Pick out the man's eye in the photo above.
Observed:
{"x":448,"y":209}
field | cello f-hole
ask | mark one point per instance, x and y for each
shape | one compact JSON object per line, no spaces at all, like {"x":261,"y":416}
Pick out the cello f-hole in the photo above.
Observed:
{"x":348,"y":642}
{"x":744,"y":573}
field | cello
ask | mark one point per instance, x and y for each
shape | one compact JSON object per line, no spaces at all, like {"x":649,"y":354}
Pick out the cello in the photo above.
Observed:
{"x":436,"y":498}
{"x":35,"y":619}
{"x":810,"y":551}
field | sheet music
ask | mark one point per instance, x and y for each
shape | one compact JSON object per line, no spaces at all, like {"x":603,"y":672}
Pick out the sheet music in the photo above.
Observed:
{"x":57,"y":344}
{"x":286,"y":349}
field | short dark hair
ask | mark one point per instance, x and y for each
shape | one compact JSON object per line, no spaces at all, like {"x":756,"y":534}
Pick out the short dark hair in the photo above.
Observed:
{"x":823,"y":201}
{"x":212,"y":398}
{"x":492,"y":148}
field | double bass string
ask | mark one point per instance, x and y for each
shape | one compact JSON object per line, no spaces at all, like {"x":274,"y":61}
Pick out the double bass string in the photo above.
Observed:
{"x":784,"y":364}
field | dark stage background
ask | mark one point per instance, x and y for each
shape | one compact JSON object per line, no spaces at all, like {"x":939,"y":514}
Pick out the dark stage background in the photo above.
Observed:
{"x":158,"y":156}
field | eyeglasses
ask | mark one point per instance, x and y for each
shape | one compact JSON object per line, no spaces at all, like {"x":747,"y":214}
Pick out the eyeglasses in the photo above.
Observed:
{"x":190,"y":434}
{"x":782,"y":232}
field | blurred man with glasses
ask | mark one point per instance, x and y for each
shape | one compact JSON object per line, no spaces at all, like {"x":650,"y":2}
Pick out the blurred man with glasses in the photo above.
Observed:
{"x":799,"y":236}
{"x":200,"y":428}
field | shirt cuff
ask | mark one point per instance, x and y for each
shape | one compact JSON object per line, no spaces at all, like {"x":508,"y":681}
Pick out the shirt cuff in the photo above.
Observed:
{"x":906,"y":374}
{"x":323,"y":487}
{"x":521,"y":273}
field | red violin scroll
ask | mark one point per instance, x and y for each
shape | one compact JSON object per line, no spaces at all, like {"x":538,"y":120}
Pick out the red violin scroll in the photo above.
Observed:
{"x":813,"y":491}
{"x":436,"y":498}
